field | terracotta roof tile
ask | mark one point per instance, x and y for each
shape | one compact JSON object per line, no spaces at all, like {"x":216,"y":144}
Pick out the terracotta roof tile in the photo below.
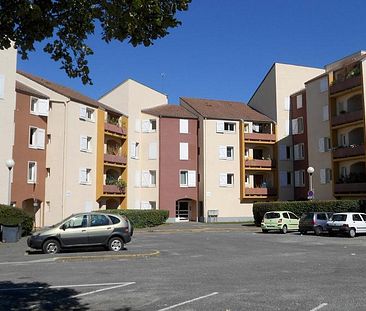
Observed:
{"x":170,"y":111}
{"x":227,"y":110}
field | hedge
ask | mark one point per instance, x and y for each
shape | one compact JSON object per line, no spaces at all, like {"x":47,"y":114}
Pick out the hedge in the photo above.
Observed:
{"x":12,"y":216}
{"x":142,"y":218}
{"x":300,"y":207}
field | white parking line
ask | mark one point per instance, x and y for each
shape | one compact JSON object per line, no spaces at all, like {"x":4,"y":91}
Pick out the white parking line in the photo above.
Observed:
{"x":319,"y":307}
{"x":103,"y":289}
{"x":188,"y":301}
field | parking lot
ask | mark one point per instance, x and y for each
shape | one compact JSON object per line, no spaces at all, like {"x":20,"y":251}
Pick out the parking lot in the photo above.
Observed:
{"x":213,"y":267}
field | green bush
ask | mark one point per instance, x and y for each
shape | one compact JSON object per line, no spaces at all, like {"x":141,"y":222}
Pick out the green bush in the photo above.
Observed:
{"x":12,"y":216}
{"x":300,"y":207}
{"x":142,"y":218}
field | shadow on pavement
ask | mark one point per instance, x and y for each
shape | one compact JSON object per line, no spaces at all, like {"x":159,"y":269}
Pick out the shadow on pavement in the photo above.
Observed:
{"x":75,"y":250}
{"x":38,"y":296}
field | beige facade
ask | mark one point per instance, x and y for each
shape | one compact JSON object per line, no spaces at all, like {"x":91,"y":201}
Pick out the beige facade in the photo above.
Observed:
{"x":7,"y":107}
{"x":131,"y":97}
{"x":272,"y":98}
{"x":70,"y":181}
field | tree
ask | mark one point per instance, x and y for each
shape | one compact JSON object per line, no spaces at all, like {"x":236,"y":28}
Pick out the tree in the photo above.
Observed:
{"x":66,"y":25}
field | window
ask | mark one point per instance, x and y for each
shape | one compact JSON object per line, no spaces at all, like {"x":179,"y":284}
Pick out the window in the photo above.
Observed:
{"x":293,"y":216}
{"x":36,"y":138}
{"x":297,"y":126}
{"x":324,"y":85}
{"x":86,"y":113}
{"x":114,"y":220}
{"x":299,"y":101}
{"x":285,"y":152}
{"x":356,"y":217}
{"x":300,"y":178}
{"x":226,"y":152}
{"x":321,"y":217}
{"x":48,"y":171}
{"x":226,"y":180}
{"x":85,"y":143}
{"x":153,"y":150}
{"x":78,"y":221}
{"x":135,"y":150}
{"x":85,"y":176}
{"x":152,"y":205}
{"x":343,"y":140}
{"x":285,"y":215}
{"x":98,"y":220}
{"x":148,"y":178}
{"x":32,"y":172}
{"x":324,"y":144}
{"x":299,"y":152}
{"x":285,"y":178}
{"x":183,"y":151}
{"x":39,"y":106}
{"x":225,"y":127}
{"x":183,"y":126}
{"x":187,"y":178}
{"x":152,"y":178}
{"x":325,"y":175}
{"x":247,"y":127}
{"x":325,"y":113}
{"x":148,"y":126}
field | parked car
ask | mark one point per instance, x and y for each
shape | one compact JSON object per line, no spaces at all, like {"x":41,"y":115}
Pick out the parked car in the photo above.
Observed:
{"x":85,"y":229}
{"x":347,"y":223}
{"x":314,"y":221}
{"x":280,"y":220}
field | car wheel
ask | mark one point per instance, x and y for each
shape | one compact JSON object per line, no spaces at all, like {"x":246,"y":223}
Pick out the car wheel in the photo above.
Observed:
{"x":317,"y":230}
{"x":331,"y":233}
{"x":284,"y":229}
{"x":115,"y":244}
{"x":51,"y":247}
{"x":352,"y":233}
{"x":264,"y":230}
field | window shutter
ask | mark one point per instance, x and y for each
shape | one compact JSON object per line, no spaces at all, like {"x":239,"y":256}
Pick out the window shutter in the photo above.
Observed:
{"x":82,"y":112}
{"x":41,"y":135}
{"x":183,"y":126}
{"x":297,"y":178}
{"x":138,"y":125}
{"x":183,"y":151}
{"x":294,"y":126}
{"x":223,"y":179}
{"x":191,"y":178}
{"x":287,"y":127}
{"x":283,"y":178}
{"x":222,"y":152}
{"x":299,"y":101}
{"x":325,"y":113}
{"x":296,"y":152}
{"x":43,"y":106}
{"x":145,"y":179}
{"x":83,"y":175}
{"x":137,"y":179}
{"x":152,"y":151}
{"x":219,"y":126}
{"x":287,"y":103}
{"x":283,"y":153}
{"x":145,"y":126}
{"x":323,"y":176}
{"x":321,"y":145}
{"x":83,"y":143}
{"x":133,"y":150}
{"x":323,"y":85}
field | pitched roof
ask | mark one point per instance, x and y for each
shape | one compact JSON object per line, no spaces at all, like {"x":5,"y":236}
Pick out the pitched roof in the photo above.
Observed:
{"x":227,"y":110}
{"x":70,"y":93}
{"x":170,"y":111}
{"x":20,"y":87}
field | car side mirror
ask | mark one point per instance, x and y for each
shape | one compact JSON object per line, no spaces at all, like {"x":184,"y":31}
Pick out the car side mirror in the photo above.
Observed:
{"x":63,"y":227}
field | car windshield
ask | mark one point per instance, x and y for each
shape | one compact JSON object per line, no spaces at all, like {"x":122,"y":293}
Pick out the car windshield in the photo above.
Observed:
{"x":272,"y":215}
{"x":339,"y":217}
{"x":307,"y":216}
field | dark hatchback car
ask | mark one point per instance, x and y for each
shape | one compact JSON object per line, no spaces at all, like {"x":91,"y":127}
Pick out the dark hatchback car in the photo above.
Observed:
{"x":314,"y":221}
{"x":85,"y":229}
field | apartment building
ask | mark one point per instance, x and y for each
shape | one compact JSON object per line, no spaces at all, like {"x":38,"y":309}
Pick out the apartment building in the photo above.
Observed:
{"x":178,"y":162}
{"x":221,"y":153}
{"x":272,"y":98}
{"x":7,"y":107}
{"x":131,"y":97}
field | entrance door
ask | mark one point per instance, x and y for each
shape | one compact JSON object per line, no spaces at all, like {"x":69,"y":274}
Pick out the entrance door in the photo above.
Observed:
{"x":183,"y":210}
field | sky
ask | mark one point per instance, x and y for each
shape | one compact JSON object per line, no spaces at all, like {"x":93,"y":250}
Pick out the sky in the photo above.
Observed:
{"x":222,"y":50}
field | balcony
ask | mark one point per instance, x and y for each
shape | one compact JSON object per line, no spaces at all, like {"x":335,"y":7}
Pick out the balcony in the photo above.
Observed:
{"x":115,"y":159}
{"x":345,"y":84}
{"x":113,"y":189}
{"x":114,"y":129}
{"x":350,"y":188}
{"x":350,"y":151}
{"x":347,"y":117}
{"x":260,"y":192}
{"x":265,"y":137}
{"x":256,"y":163}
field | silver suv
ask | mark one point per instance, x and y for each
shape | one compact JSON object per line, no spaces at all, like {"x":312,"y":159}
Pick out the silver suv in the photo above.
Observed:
{"x":85,"y":229}
{"x":347,"y":223}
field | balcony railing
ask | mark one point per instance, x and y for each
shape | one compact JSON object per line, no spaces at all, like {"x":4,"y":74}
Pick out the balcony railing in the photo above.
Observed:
{"x":115,"y":159}
{"x":351,"y":151}
{"x":350,"y":188}
{"x":347,"y":117}
{"x":260,"y":137}
{"x":113,"y":189}
{"x":346,"y":84}
{"x":260,"y":191}
{"x":259,"y":163}
{"x":115,"y":129}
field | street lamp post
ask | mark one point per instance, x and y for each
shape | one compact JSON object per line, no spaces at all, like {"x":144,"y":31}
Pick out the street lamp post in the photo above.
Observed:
{"x":9,"y":164}
{"x":310,"y":171}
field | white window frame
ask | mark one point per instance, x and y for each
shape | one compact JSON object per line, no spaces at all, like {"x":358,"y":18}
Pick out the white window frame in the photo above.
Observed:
{"x":227,"y":124}
{"x":135,"y":150}
{"x":40,"y":106}
{"x":325,"y":175}
{"x":300,"y":178}
{"x":85,"y":143}
{"x":38,"y":138}
{"x":183,"y":126}
{"x":299,"y":101}
{"x":183,"y":151}
{"x":85,"y":176}
{"x":153,"y":151}
{"x":86,"y":113}
{"x":149,"y":126}
{"x":190,"y":178}
{"x":224,"y":180}
{"x":33,"y":178}
{"x":299,"y":151}
{"x":185,"y":173}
